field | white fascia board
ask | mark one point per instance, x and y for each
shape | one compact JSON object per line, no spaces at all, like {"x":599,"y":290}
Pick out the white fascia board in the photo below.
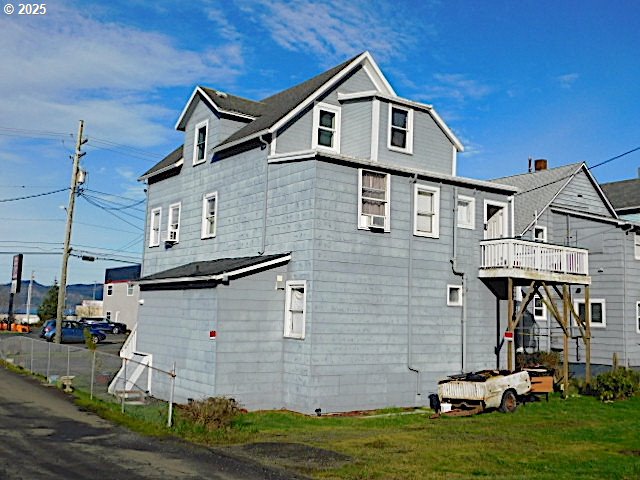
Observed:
{"x":205,"y":278}
{"x":569,"y":178}
{"x":326,"y":86}
{"x":590,"y":216}
{"x":424,"y":174}
{"x":357,"y":95}
{"x":162,"y":170}
{"x":178,"y":125}
{"x":199,"y":90}
{"x":599,"y":190}
{"x":240,"y":141}
{"x":378,"y":73}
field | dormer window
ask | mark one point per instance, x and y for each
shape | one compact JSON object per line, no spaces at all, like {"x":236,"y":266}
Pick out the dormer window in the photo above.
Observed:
{"x":326,"y":127}
{"x":400,"y":135}
{"x":200,"y":142}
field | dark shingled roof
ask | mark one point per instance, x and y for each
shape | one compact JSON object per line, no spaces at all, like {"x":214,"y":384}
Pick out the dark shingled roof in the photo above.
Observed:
{"x":536,"y":190}
{"x":211,"y":267}
{"x":232,"y":103}
{"x":624,"y":194}
{"x":122,"y":274}
{"x":166,"y":162}
{"x":279,"y":105}
{"x":267,"y":112}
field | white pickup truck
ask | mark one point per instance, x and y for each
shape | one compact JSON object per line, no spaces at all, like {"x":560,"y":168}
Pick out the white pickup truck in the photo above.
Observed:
{"x":474,"y":392}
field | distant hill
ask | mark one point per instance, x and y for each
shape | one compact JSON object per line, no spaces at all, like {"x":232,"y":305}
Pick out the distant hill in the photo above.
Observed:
{"x":75,"y":295}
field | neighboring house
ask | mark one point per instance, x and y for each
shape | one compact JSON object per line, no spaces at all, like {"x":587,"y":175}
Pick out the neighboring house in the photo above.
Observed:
{"x":316,"y":249}
{"x":625,"y":197}
{"x":90,"y":309}
{"x":566,"y":206}
{"x":121,"y":294}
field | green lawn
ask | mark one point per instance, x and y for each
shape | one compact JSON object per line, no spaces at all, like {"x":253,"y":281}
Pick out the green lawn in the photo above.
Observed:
{"x":576,"y":438}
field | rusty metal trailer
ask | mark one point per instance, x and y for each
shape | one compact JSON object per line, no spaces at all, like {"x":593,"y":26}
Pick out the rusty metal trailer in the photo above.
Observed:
{"x":471,"y":393}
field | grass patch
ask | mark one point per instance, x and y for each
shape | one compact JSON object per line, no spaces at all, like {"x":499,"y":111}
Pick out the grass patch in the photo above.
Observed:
{"x":578,"y":437}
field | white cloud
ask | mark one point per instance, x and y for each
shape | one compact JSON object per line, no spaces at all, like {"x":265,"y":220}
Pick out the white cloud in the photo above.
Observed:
{"x":454,"y":86}
{"x":566,"y":81}
{"x":334,"y":28}
{"x":67,"y":66}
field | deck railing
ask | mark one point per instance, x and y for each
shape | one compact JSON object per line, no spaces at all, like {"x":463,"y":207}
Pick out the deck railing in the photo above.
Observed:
{"x":527,"y":255}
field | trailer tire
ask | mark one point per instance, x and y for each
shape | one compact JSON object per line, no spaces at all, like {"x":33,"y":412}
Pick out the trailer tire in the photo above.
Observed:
{"x":509,"y":402}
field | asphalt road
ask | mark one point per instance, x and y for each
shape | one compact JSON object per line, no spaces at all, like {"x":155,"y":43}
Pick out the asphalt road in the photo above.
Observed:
{"x":43,"y":435}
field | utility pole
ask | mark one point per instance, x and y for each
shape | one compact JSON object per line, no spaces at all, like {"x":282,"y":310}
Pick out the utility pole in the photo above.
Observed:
{"x":29,"y":298}
{"x":75,"y":176}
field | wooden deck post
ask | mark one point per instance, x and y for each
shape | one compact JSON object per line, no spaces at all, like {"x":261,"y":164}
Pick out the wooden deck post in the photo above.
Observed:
{"x":510,"y":359}
{"x":565,"y":349}
{"x":587,"y":336}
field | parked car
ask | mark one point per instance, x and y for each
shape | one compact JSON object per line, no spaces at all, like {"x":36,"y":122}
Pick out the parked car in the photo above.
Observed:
{"x":105,"y":325}
{"x":47,"y":326}
{"x":73,"y":332}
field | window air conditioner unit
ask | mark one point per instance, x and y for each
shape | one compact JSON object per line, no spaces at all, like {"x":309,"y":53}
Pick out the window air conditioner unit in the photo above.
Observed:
{"x":375,"y":222}
{"x":172,"y":237}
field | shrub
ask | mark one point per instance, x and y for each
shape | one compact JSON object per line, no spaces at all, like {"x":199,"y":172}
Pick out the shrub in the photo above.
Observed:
{"x":212,"y":413}
{"x":616,"y":385}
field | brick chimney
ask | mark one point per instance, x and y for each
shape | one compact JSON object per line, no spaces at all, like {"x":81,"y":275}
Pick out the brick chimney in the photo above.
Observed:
{"x":540,"y":164}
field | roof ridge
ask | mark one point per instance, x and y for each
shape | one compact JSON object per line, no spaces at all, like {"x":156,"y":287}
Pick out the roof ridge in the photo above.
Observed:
{"x":546,"y":170}
{"x":218,"y":91}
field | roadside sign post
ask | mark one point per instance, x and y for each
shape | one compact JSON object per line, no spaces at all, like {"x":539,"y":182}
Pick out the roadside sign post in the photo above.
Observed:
{"x":16,"y":280}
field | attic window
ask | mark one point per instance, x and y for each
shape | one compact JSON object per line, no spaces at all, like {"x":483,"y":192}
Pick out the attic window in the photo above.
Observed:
{"x":326,"y":127}
{"x":400,"y":135}
{"x":200,"y":142}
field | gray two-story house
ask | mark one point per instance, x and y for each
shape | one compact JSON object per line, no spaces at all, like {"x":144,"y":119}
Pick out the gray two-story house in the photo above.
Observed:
{"x":316,"y":249}
{"x":566,"y":206}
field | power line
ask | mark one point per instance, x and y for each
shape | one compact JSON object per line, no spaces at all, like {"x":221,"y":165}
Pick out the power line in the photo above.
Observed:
{"x":33,"y":196}
{"x":614,"y":158}
{"x":572,"y":174}
{"x":98,"y":202}
{"x":62,"y":220}
{"x":111,"y":213}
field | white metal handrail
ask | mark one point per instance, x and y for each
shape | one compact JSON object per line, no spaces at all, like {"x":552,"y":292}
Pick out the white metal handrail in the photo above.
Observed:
{"x":538,"y":256}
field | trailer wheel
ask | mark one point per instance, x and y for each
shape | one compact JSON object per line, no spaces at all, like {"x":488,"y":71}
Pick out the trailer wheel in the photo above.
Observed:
{"x":509,"y":402}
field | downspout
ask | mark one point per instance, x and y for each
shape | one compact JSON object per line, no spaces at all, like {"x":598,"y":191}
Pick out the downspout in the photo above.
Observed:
{"x":461,"y":274}
{"x":265,"y":144}
{"x":624,"y":300}
{"x":410,"y":365}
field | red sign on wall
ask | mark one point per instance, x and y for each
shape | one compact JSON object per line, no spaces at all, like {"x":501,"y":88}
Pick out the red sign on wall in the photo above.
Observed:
{"x":212,"y":334}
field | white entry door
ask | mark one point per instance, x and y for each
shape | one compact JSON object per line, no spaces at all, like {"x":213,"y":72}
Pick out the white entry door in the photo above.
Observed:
{"x":495,"y":220}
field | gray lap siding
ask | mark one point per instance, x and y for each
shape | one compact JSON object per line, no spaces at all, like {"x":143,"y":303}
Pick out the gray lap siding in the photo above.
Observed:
{"x":360,"y":308}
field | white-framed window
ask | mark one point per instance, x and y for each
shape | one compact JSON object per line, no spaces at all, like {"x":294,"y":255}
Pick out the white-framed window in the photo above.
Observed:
{"x":400,"y":134}
{"x":374,"y":192}
{"x":539,"y":233}
{"x":326,"y":127}
{"x":636,"y":246}
{"x":638,"y":317}
{"x":295,"y":308}
{"x":426,"y":208}
{"x":539,"y":308}
{"x":200,"y":142}
{"x":129,"y":289}
{"x":466,"y":212}
{"x":108,"y":315}
{"x":173,"y":230}
{"x":109,"y":290}
{"x":598,"y":311}
{"x":154,"y":227}
{"x":209,"y":215}
{"x":454,"y":295}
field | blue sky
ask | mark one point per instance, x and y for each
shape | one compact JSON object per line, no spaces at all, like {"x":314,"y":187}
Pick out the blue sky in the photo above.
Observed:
{"x":546,"y":79}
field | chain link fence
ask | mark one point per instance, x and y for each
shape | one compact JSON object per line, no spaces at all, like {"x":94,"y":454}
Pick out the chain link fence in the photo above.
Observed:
{"x":103,"y":375}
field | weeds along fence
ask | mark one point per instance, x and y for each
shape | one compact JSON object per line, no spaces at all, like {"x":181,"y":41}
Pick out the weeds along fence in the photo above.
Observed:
{"x":103,"y":375}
